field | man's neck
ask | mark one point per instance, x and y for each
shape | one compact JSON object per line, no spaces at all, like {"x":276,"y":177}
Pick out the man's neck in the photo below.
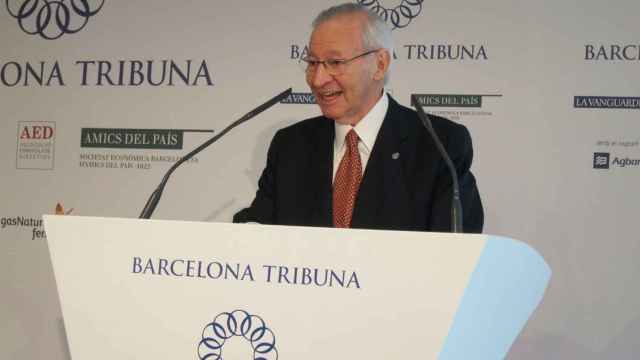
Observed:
{"x":370,"y":106}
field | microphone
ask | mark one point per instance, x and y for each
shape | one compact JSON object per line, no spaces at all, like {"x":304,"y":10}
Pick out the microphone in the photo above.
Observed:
{"x":153,"y":200}
{"x":456,"y":204}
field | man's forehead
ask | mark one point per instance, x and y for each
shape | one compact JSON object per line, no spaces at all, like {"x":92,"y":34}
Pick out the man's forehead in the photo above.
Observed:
{"x":337,"y":36}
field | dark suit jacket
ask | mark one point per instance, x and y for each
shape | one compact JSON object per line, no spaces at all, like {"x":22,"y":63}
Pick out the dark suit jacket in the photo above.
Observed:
{"x":411,"y":191}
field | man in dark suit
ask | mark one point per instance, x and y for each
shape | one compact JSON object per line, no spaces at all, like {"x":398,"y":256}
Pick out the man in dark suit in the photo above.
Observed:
{"x":367,"y":162}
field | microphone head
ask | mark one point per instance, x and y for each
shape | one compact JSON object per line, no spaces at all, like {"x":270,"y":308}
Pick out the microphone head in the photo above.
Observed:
{"x":414,"y":100}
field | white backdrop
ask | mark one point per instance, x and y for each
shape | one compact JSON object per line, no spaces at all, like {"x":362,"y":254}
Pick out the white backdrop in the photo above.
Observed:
{"x":534,"y":151}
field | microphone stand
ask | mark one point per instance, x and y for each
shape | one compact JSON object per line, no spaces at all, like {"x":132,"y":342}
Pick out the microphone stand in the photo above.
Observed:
{"x":456,"y":204}
{"x":153,"y":200}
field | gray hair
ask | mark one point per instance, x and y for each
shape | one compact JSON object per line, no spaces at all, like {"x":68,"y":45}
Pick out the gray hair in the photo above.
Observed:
{"x":376,"y":34}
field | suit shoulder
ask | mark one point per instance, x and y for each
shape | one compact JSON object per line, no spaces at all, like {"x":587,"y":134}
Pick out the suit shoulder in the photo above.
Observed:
{"x":306,"y":128}
{"x":441,"y":124}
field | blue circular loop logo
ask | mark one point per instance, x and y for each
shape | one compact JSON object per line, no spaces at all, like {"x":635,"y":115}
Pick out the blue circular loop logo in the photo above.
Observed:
{"x":53,"y":18}
{"x":237,"y":323}
{"x":399,"y":16}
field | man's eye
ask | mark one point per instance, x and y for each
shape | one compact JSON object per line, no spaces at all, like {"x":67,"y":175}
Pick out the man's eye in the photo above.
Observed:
{"x":334,"y":62}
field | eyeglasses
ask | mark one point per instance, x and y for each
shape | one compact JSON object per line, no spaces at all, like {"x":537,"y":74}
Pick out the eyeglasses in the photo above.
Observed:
{"x":331,"y":66}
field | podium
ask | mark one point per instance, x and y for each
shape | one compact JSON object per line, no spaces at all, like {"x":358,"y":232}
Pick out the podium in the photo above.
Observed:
{"x":150,"y":289}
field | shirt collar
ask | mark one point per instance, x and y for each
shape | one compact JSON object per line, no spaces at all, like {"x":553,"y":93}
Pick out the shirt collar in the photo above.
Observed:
{"x":367,"y":128}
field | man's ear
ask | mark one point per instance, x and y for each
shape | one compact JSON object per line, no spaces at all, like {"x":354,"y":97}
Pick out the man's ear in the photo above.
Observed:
{"x":383,"y":60}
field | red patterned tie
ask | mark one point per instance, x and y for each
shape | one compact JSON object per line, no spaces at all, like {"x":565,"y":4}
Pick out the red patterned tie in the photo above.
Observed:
{"x":347,"y":182}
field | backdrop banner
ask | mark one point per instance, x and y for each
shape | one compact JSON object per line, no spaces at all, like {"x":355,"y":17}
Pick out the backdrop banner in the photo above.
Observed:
{"x":99,"y":97}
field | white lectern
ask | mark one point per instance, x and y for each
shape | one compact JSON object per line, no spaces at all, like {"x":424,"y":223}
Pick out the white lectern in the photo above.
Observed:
{"x":147,"y":289}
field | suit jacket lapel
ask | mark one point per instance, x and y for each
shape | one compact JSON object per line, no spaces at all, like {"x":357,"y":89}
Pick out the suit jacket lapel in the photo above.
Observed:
{"x":320,"y":175}
{"x":383,"y":186}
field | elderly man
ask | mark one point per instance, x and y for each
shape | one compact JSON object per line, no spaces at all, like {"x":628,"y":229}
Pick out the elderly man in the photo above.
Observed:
{"x":367,"y":162}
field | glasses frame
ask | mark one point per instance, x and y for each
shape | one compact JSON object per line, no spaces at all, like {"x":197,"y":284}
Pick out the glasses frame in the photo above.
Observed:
{"x":331,"y":66}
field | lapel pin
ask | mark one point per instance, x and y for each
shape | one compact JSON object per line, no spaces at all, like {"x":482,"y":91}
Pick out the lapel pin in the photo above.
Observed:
{"x":395,"y":156}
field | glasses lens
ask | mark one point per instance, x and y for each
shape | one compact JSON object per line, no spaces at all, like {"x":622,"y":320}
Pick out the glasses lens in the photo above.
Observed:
{"x":334,"y":67}
{"x":331,"y":66}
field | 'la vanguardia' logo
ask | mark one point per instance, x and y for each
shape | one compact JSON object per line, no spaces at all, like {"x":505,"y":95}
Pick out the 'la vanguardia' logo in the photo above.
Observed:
{"x":237,"y":323}
{"x":304,"y":98}
{"x":52,"y":18}
{"x":399,"y":16}
{"x":607,"y":102}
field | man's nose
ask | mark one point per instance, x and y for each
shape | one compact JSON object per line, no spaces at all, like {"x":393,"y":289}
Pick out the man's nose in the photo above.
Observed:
{"x":319,"y":76}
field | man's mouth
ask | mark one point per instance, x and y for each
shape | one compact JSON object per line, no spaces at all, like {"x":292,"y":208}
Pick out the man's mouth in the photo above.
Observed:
{"x":330,"y":95}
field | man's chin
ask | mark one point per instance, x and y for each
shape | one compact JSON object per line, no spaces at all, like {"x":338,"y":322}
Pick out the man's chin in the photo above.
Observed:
{"x":334,"y":116}
{"x":330,"y":113}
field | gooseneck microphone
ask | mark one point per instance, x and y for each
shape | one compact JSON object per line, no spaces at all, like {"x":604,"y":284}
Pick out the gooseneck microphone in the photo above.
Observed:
{"x":153,"y":200}
{"x":456,"y":204}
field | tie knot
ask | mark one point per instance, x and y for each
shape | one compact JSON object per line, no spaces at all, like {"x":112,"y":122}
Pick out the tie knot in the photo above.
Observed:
{"x":352,"y":139}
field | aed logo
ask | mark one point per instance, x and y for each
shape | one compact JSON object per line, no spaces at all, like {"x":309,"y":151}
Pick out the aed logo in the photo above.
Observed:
{"x":36,"y":132}
{"x":36,"y":145}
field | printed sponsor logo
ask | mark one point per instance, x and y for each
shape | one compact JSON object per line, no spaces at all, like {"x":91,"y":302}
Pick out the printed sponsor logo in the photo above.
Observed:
{"x":52,"y":19}
{"x":36,"y":145}
{"x":299,"y":98}
{"x":625,"y":162}
{"x":601,"y":160}
{"x":606,"y":102}
{"x":31,"y":225}
{"x":619,"y":143}
{"x":61,"y":211}
{"x":604,"y":160}
{"x":436,"y":100}
{"x":612,"y":52}
{"x":132,"y":138}
{"x":398,"y":16}
{"x":109,"y":142}
{"x":457,"y":106}
{"x":130,"y":73}
{"x":420,"y":52}
{"x":237,"y":324}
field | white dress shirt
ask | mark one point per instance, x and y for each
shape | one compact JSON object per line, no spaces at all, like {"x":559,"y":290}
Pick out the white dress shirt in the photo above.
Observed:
{"x":367,"y":130}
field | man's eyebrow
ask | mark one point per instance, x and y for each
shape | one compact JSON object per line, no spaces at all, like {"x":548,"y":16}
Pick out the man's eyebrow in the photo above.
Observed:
{"x":332,"y":55}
